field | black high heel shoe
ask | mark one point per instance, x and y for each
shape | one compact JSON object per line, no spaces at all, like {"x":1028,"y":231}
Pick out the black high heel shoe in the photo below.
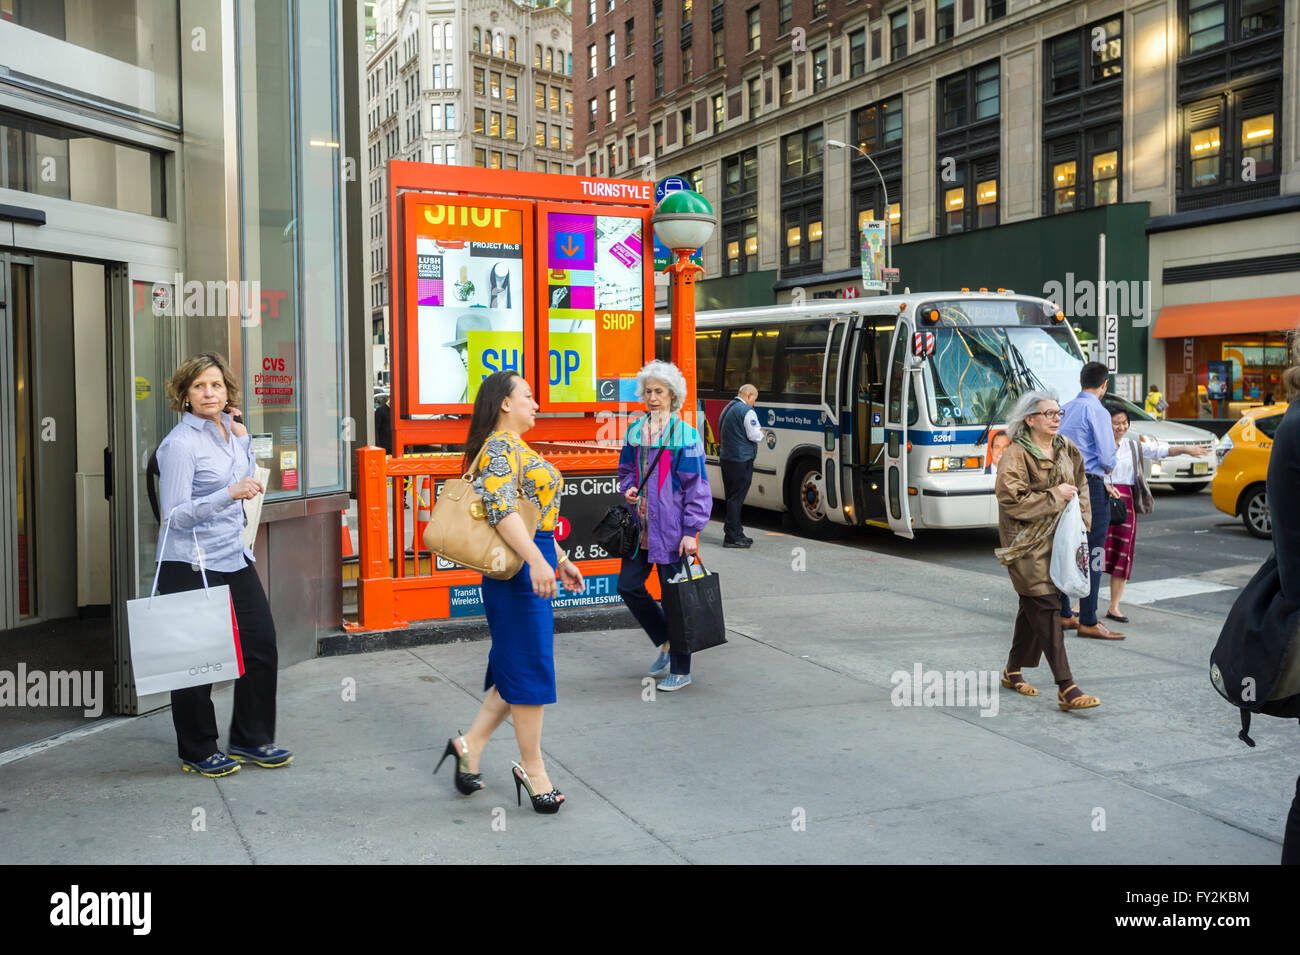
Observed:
{"x":544,"y":802}
{"x":467,"y":783}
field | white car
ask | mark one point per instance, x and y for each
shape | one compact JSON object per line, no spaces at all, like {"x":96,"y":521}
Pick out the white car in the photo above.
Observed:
{"x":1182,"y":472}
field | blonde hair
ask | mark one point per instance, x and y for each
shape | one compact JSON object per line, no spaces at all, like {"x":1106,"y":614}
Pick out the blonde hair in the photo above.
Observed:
{"x":182,"y":378}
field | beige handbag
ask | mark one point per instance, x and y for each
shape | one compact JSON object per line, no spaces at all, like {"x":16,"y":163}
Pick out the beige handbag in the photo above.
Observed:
{"x":458,"y":529}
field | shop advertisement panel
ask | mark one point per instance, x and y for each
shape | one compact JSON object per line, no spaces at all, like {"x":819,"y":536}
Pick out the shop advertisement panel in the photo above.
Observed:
{"x":469,"y":297}
{"x":593,"y":288}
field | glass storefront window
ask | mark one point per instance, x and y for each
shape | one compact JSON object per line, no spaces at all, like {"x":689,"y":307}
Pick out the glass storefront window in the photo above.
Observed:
{"x":1220,"y":376}
{"x":122,"y":52}
{"x":64,"y":163}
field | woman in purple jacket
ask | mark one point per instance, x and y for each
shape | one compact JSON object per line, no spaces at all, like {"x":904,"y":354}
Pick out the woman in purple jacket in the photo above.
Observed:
{"x":674,"y":507}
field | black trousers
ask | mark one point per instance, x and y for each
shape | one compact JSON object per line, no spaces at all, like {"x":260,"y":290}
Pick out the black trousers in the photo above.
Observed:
{"x":632,"y":576}
{"x":736,"y":478}
{"x":1291,"y":841}
{"x":253,"y":720}
{"x":1038,"y":634}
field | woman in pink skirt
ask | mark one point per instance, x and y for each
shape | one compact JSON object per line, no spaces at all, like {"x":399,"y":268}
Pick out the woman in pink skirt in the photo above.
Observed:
{"x":1128,"y":483}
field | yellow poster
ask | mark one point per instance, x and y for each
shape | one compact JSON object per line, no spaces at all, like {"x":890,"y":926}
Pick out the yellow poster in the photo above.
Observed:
{"x":487,"y":352}
{"x":572,"y":367}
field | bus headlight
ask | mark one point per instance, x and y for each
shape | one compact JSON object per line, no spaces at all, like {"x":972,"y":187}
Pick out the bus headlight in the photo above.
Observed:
{"x":956,"y":464}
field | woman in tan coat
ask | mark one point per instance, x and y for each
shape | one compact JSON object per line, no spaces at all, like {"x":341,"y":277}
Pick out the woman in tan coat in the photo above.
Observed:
{"x":1037,"y":477}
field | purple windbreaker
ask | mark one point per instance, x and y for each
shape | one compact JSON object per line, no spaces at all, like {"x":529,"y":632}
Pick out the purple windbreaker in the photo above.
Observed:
{"x":679,"y":501}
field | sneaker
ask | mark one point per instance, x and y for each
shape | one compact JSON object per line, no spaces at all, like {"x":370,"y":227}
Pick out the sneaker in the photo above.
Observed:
{"x":660,"y":666}
{"x":268,"y":755}
{"x":218,"y":764}
{"x":674,"y":681}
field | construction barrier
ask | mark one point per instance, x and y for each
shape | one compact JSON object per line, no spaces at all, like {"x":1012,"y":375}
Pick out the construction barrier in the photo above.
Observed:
{"x":389,"y":597}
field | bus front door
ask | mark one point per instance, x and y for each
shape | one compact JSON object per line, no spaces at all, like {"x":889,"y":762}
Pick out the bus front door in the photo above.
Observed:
{"x":898,"y":410}
{"x":837,"y":444}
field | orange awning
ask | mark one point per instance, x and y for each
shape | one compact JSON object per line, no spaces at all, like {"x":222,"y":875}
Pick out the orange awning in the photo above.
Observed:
{"x":1280,"y":314}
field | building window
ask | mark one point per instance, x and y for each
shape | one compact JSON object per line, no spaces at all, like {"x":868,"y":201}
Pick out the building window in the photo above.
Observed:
{"x":550,"y":59}
{"x":858,"y":52}
{"x":785,"y":78}
{"x":494,"y":125}
{"x":878,"y":131}
{"x":611,"y":102}
{"x":449,"y":121}
{"x":740,"y":213}
{"x":435,"y":117}
{"x":970,"y":103}
{"x":819,"y":70}
{"x":898,"y":36}
{"x":480,"y":79}
{"x":784,"y":17}
{"x":480,"y":120}
{"x":755,"y":31}
{"x":512,"y":131}
{"x":611,"y":42}
{"x":659,"y":78}
{"x":1210,"y":23}
{"x":717,"y":112}
{"x":568,"y":105}
{"x":591,"y":61}
{"x":494,"y":85}
{"x":537,"y":56}
{"x":719,"y":50}
{"x":495,"y":161}
{"x":688,"y":133}
{"x":687,"y":10}
{"x":512,"y":49}
{"x":659,"y":20}
{"x":476,"y":40}
{"x":539,"y":134}
{"x":568,"y":139}
{"x":539,"y":95}
{"x":611,"y":152}
{"x":801,"y":200}
{"x":819,"y":8}
{"x":659,"y":138}
{"x":591,"y":164}
{"x":512,"y":89}
{"x":555,"y":99}
{"x":480,"y":158}
{"x":687,"y":61}
{"x":591,"y":11}
{"x":994,"y":10}
{"x":755,"y":84}
{"x":943,"y":20}
{"x":591,"y":115}
{"x":629,"y":38}
{"x":629,"y":94}
{"x":630,"y":146}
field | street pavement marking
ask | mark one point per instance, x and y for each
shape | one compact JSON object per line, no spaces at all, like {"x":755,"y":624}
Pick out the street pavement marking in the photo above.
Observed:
{"x":1151,"y":591}
{"x":42,"y":745}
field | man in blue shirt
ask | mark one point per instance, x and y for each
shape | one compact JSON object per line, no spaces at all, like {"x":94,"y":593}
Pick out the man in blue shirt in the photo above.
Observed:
{"x":1086,"y":422}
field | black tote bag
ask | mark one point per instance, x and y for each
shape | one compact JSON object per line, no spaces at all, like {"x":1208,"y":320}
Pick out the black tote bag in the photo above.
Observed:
{"x":693,"y":608}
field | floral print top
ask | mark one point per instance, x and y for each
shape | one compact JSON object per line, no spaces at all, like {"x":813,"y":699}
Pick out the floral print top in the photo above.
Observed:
{"x":494,"y":478}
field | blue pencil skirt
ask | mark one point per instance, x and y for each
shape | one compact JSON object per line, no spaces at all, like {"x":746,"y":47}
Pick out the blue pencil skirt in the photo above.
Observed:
{"x":521,"y":662}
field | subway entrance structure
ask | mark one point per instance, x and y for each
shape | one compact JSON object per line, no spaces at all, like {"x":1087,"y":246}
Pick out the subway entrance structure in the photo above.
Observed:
{"x":547,"y":275}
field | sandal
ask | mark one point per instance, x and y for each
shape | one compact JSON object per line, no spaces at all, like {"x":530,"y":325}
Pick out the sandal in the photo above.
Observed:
{"x":1019,"y":685}
{"x":1117,"y":617}
{"x":1078,"y":700}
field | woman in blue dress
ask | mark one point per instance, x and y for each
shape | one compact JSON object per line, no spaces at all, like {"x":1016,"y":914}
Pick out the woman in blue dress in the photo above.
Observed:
{"x":520,"y":676}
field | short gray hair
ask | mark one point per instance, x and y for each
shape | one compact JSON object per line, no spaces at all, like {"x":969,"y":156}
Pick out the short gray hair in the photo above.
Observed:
{"x":670,"y":375}
{"x":1026,"y":405}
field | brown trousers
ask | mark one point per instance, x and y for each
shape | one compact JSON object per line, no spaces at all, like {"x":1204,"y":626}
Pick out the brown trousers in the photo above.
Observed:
{"x":1038,"y":633}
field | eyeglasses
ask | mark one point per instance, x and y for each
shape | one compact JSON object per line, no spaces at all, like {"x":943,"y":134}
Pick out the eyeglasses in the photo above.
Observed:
{"x":1054,"y":415}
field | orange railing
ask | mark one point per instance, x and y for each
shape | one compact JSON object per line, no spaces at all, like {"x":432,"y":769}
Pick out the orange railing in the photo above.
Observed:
{"x":387,"y":595}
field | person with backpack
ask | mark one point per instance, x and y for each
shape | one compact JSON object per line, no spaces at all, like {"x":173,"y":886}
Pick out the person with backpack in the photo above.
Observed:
{"x":663,"y":455}
{"x":1156,"y":406}
{"x":740,"y":435}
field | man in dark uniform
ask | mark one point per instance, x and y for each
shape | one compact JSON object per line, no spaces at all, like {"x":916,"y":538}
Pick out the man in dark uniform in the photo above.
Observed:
{"x":739,"y":434}
{"x":1284,"y":508}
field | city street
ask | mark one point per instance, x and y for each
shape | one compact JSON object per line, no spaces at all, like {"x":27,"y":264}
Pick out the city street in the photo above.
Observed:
{"x":787,"y":747}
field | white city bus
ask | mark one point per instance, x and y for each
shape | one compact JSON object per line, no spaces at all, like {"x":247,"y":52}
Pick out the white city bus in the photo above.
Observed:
{"x":858,"y":429}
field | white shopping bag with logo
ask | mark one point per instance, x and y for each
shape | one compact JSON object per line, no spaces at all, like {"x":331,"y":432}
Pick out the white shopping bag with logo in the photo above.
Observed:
{"x":1069,"y":569}
{"x":185,"y":639}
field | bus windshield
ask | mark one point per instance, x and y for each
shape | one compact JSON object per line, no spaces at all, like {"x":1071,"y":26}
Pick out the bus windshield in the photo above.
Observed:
{"x":976,"y":373}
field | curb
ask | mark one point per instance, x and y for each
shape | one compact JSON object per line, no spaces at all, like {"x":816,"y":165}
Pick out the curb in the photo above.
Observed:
{"x":429,"y":632}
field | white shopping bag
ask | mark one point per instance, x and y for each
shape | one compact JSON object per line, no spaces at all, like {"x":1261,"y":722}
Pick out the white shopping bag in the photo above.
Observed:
{"x":185,"y":639}
{"x":1070,"y":553}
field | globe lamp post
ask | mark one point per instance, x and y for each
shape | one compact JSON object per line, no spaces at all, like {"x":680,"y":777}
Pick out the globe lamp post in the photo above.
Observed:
{"x":683,"y":222}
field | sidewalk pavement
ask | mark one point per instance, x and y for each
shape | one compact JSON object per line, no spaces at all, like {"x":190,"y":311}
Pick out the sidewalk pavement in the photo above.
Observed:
{"x":786,"y":748}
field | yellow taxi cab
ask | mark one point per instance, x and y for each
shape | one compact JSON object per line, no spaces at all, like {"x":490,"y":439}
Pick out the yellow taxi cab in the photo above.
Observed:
{"x":1239,"y":484}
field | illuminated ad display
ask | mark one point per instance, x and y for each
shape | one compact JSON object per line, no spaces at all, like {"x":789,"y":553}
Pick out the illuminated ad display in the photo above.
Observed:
{"x":593,"y":324}
{"x":468,"y":271}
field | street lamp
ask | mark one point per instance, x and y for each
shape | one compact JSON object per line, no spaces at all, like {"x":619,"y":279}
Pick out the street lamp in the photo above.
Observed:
{"x":889,"y":226}
{"x":684,"y":221}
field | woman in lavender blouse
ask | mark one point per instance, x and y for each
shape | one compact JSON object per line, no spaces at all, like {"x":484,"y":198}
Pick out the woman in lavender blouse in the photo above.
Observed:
{"x":206,"y":471}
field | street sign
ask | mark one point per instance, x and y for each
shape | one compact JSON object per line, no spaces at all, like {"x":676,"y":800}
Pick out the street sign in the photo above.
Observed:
{"x":1110,"y":347}
{"x":890,"y":275}
{"x":671,"y":184}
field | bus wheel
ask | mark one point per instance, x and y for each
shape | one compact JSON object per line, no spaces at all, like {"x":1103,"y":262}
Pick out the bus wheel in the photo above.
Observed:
{"x":803,"y":499}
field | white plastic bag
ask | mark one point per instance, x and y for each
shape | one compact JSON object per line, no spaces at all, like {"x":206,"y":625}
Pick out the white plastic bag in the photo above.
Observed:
{"x":1070,"y":553}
